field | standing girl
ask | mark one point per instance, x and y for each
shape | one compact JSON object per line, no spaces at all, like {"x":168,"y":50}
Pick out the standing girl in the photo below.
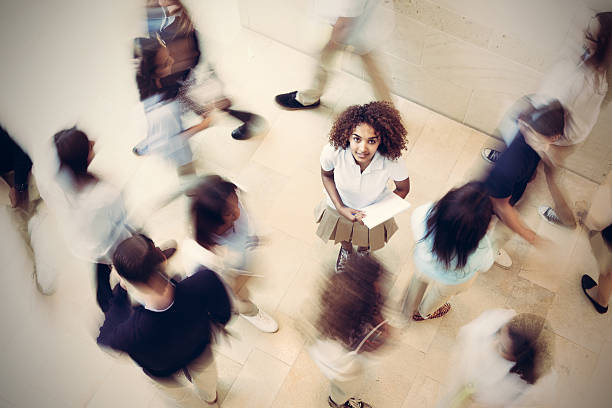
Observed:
{"x":366,"y":142}
{"x":224,"y":238}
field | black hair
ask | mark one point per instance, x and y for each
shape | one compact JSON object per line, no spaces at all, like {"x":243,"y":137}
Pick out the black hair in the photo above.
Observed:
{"x":137,"y":259}
{"x":601,"y":56}
{"x":547,"y":119}
{"x":73,"y":149}
{"x":207,"y":208}
{"x":531,"y":346}
{"x":457,"y":222}
{"x":145,"y":52}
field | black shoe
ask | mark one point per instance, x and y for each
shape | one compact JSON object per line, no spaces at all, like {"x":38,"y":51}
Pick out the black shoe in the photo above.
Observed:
{"x":588,"y":283}
{"x":288,"y":101}
{"x":242,"y":132}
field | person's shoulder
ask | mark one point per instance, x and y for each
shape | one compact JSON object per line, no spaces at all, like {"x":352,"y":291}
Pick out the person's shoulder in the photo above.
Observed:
{"x":331,"y":150}
{"x":201,"y":279}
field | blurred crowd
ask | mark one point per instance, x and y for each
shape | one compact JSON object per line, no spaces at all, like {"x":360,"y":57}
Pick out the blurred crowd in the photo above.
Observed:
{"x":166,"y":322}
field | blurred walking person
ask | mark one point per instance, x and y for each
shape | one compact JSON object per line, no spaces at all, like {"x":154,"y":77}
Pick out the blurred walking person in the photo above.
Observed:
{"x":170,"y":332}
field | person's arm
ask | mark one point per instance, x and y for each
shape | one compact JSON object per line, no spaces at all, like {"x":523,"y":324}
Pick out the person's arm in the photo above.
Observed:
{"x":510,"y":216}
{"x":206,"y":121}
{"x":213,"y":293}
{"x":330,"y":186}
{"x":118,"y":331}
{"x":22,"y":165}
{"x":402,"y":188}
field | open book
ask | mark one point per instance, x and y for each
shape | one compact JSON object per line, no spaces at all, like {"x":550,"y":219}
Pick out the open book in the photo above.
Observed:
{"x":381,"y":211}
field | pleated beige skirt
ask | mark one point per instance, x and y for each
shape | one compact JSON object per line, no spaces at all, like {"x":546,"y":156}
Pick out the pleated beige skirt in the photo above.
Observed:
{"x":333,"y":226}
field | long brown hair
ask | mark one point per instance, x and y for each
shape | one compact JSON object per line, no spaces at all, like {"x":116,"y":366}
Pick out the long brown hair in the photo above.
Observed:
{"x":351,"y":300}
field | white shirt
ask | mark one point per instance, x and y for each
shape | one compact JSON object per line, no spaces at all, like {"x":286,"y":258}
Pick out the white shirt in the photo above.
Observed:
{"x":93,"y":219}
{"x":164,"y":128}
{"x":581,"y":94}
{"x":427,"y":263}
{"x":229,"y":256}
{"x":478,"y":362}
{"x":358,"y":190}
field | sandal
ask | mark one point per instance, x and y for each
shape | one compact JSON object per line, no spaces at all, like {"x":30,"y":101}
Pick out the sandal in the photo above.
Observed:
{"x":442,"y":310}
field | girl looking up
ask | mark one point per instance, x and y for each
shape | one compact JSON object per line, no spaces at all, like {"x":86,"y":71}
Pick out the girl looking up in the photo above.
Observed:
{"x":366,"y":143}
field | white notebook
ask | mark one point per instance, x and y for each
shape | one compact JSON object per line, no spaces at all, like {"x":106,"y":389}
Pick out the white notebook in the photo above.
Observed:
{"x":381,"y":211}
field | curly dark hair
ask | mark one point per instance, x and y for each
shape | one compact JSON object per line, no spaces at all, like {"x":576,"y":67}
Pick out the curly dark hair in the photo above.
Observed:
{"x":384,"y":119}
{"x":350,"y":301}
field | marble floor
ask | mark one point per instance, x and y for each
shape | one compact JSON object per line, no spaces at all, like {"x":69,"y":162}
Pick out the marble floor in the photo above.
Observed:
{"x":49,"y":356}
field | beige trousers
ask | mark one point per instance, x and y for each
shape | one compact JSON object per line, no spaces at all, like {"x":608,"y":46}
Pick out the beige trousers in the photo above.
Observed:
{"x":425,"y":295}
{"x":326,"y":57}
{"x":194,"y":386}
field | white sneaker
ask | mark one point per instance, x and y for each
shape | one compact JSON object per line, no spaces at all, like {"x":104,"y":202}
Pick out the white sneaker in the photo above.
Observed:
{"x":502,"y":259}
{"x":262,"y":321}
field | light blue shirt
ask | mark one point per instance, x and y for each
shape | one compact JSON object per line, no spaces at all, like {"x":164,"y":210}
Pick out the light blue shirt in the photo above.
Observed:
{"x":428,"y":264}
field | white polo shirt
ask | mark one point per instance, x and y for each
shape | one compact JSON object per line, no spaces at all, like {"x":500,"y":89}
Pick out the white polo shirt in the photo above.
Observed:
{"x":358,"y":190}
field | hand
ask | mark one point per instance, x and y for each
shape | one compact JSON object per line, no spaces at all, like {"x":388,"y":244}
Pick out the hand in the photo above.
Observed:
{"x":351,"y":214}
{"x":543,"y":244}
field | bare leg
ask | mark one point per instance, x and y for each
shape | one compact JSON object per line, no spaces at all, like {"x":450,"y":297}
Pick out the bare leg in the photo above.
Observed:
{"x":601,"y":293}
{"x":347,"y":246}
{"x":561,"y":207}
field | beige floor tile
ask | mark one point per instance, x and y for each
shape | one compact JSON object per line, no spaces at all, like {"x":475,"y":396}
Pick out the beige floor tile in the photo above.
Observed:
{"x":228,"y":371}
{"x":575,"y":366}
{"x":285,"y":344}
{"x":466,"y":65}
{"x":424,"y":392}
{"x":125,"y":385}
{"x":467,"y":156}
{"x":415,"y":118}
{"x":389,"y":379}
{"x":419,"y":85}
{"x":35,"y":369}
{"x":487,"y":108}
{"x":237,"y":346}
{"x":294,"y":208}
{"x":439,"y":143}
{"x":262,"y":186}
{"x":304,"y":386}
{"x":527,"y":297}
{"x":499,"y":280}
{"x":573,"y":317}
{"x":278,"y":262}
{"x":292,"y":129}
{"x":548,"y":265}
{"x":598,"y":392}
{"x":407,"y":40}
{"x":435,"y":363}
{"x":302,"y":294}
{"x":258,"y":382}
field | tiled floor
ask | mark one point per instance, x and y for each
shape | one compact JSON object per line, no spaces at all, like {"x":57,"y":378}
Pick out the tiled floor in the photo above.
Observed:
{"x":49,"y":356}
